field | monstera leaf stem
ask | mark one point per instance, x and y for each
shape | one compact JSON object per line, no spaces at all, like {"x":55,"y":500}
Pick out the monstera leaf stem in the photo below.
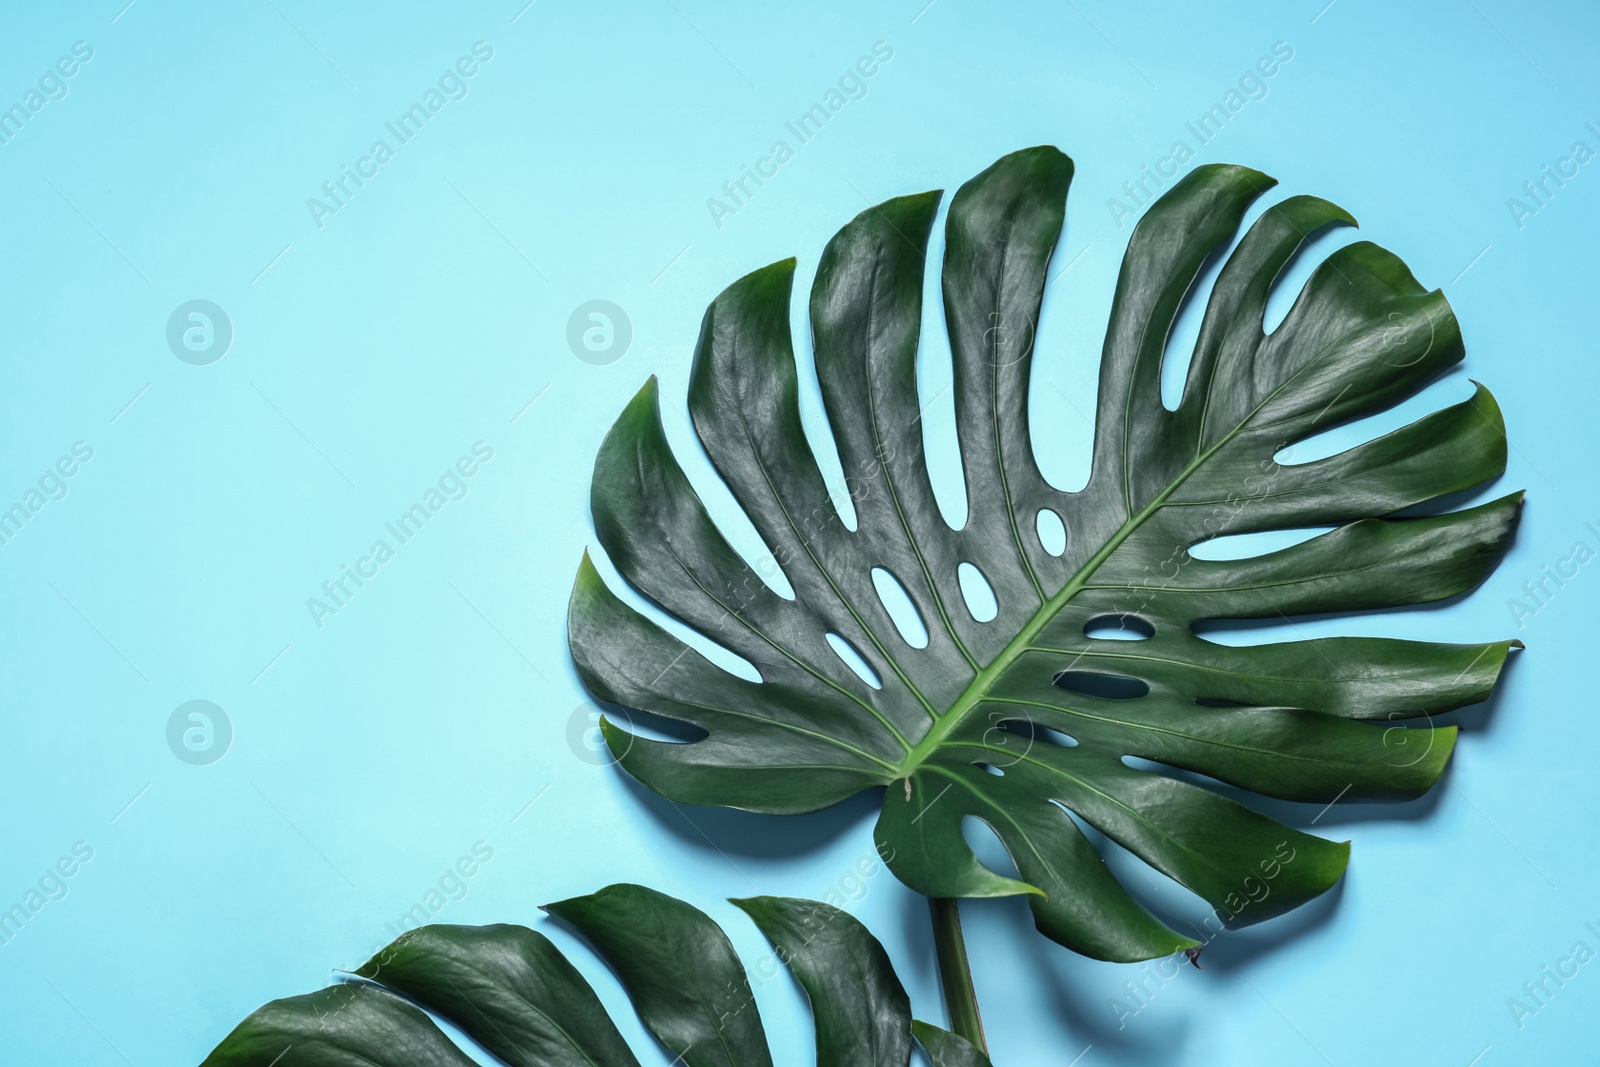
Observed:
{"x":955,"y":975}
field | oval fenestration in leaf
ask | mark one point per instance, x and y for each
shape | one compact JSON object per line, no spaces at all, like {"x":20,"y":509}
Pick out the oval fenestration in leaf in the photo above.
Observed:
{"x":1284,"y":720}
{"x":511,"y":991}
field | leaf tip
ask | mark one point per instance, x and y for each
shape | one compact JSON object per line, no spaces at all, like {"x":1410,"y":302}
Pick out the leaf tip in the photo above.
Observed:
{"x":1449,"y":735}
{"x":646,"y":394}
{"x":587,"y":571}
{"x":618,"y":740}
{"x":756,"y":909}
{"x":1046,"y":157}
{"x":1257,"y":180}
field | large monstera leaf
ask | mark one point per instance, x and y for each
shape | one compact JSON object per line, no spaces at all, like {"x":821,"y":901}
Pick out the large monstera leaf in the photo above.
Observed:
{"x":511,"y":991}
{"x":1024,"y":721}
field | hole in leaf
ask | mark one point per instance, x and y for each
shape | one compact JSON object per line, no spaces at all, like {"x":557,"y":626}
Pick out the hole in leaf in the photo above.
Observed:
{"x":1118,"y":628}
{"x":1150,"y":886}
{"x":989,"y":768}
{"x":1104,"y":686}
{"x":854,"y":660}
{"x":1286,"y":287}
{"x":1337,"y":439}
{"x":1052,"y":532}
{"x":937,"y":403}
{"x":1243,"y":632}
{"x":720,"y":655}
{"x":987,"y":846}
{"x":844,"y":505}
{"x":725,"y":511}
{"x":1029,"y":732}
{"x":1180,"y":774}
{"x":1055,"y":737}
{"x":897,"y":602}
{"x":978,"y":593}
{"x":717,"y":653}
{"x":642,"y":724}
{"x":1246,"y":545}
{"x":1185,"y":331}
{"x":1285,"y":291}
{"x":818,"y":430}
{"x":765,"y":564}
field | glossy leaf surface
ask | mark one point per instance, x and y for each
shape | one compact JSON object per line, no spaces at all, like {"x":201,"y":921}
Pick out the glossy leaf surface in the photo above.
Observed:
{"x":1024,"y":721}
{"x":945,"y":1049}
{"x":514,"y":994}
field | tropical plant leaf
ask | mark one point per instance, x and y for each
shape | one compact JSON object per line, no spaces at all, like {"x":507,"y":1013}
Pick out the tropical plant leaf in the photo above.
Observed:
{"x":859,"y":1008}
{"x":1024,"y":721}
{"x":945,"y":1049}
{"x":653,"y":942}
{"x":513,"y":993}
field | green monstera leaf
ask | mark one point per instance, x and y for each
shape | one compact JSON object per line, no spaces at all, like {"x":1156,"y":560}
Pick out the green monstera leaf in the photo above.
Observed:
{"x":511,"y":991}
{"x":1025,"y":721}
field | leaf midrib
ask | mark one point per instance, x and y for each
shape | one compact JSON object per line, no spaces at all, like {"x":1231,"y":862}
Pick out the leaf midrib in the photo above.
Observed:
{"x":977,"y":690}
{"x":1254,"y":750}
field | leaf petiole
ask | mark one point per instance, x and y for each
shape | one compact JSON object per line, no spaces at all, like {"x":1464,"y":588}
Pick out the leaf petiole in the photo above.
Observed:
{"x":955,"y":974}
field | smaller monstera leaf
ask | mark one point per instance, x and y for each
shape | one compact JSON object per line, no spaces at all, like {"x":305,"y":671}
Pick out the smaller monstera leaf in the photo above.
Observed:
{"x":513,"y":993}
{"x":1025,"y":721}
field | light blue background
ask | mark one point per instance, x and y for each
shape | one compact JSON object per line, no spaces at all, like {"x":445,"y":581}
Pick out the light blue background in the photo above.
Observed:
{"x":369,"y":354}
